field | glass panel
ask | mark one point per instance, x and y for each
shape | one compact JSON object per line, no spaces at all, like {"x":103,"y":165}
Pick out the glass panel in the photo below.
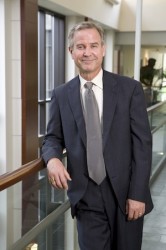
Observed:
{"x":154,"y":95}
{"x":157,"y":116}
{"x":157,"y":120}
{"x":49,"y":55}
{"x":61,"y":235}
{"x":27,"y":203}
{"x":159,"y":146}
{"x":155,"y":91}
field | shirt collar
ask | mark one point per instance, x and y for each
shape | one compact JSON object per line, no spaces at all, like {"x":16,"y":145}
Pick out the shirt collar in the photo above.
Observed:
{"x":98,"y":80}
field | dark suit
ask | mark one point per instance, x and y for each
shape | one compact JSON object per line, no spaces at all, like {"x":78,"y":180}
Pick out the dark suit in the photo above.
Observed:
{"x":126,"y":138}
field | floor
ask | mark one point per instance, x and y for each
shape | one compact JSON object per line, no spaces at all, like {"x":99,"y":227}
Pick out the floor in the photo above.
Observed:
{"x":155,"y":223}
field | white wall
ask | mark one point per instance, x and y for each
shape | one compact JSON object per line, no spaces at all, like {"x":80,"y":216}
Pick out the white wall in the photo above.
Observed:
{"x":3,"y":200}
{"x":10,"y":94}
{"x":14,"y":112}
{"x":153,"y":15}
{"x":10,"y":117}
{"x":109,"y":56}
{"x":98,"y":10}
{"x":120,"y":17}
{"x":3,"y":90}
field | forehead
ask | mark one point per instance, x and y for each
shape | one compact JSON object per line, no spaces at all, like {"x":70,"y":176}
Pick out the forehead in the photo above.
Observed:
{"x":87,"y":35}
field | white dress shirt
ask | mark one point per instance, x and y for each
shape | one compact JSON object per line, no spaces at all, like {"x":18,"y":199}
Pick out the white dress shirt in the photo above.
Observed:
{"x":98,"y":90}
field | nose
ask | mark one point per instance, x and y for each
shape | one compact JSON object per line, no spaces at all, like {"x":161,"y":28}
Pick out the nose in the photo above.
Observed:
{"x":87,"y":51}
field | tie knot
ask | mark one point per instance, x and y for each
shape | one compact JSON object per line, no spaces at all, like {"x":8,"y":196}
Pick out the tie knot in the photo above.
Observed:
{"x":88,"y":85}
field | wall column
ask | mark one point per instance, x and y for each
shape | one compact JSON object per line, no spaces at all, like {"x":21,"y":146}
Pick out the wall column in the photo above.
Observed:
{"x":138,"y":28}
{"x":109,"y":57}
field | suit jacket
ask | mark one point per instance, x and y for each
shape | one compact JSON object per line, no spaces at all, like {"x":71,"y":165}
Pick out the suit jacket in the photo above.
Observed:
{"x":127,"y":143}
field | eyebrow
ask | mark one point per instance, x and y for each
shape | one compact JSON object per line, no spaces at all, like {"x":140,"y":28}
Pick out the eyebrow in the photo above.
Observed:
{"x":90,"y":43}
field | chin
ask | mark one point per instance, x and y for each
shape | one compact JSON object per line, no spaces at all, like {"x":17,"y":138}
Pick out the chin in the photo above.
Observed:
{"x":88,"y":69}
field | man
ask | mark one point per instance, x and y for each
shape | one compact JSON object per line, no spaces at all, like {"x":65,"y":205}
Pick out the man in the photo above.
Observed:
{"x":110,"y":211}
{"x":148,"y":72}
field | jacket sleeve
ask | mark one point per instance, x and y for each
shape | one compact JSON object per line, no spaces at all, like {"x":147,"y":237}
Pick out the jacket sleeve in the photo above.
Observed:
{"x":141,"y":146}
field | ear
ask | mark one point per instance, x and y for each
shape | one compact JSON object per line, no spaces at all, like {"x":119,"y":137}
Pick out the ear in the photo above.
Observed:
{"x":104,"y":50}
{"x":70,"y":50}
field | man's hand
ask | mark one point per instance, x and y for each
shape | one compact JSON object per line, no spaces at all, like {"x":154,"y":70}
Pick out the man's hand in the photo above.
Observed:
{"x":57,"y":174}
{"x":134,"y":209}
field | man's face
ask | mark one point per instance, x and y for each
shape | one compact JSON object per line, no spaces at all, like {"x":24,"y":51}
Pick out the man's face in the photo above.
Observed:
{"x":88,"y":52}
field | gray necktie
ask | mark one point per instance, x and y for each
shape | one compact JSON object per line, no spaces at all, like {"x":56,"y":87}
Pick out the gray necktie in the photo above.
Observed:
{"x":95,"y":160}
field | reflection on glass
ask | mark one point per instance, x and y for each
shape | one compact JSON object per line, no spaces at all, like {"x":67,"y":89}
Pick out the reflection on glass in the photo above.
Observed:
{"x":155,"y":83}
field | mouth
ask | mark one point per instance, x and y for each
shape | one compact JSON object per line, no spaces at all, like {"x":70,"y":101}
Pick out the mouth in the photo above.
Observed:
{"x":87,"y":61}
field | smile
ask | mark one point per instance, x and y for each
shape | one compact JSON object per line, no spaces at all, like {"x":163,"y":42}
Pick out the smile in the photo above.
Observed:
{"x":88,"y":61}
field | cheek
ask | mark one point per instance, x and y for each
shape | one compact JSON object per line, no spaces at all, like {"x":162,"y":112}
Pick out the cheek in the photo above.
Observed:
{"x":75,"y":56}
{"x":101,"y":56}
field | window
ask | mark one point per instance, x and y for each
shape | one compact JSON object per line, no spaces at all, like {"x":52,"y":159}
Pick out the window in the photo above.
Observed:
{"x":51,"y":68}
{"x":51,"y":59}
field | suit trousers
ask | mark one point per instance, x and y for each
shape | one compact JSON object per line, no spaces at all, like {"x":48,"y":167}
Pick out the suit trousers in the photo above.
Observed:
{"x":102,"y":225}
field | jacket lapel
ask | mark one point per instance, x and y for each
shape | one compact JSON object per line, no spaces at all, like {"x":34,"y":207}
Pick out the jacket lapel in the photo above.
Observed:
{"x":76,"y":106}
{"x":110,"y":91}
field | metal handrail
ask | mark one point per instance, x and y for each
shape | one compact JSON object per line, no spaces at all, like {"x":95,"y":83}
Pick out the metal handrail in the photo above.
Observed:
{"x":156,"y":106}
{"x":40,"y":227}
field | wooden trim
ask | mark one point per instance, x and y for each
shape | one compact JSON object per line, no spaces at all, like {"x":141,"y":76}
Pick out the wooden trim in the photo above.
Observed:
{"x":14,"y":177}
{"x":29,"y":79}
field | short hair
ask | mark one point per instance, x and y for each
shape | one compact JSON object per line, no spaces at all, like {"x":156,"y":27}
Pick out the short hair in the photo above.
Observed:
{"x":82,"y":26}
{"x":151,"y":61}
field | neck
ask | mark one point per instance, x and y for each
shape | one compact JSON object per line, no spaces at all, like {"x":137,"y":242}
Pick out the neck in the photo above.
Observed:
{"x":89,"y":75}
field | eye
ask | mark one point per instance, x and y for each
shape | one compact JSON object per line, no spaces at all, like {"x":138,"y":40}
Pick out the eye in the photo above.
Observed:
{"x":80,"y":47}
{"x":94,"y":45}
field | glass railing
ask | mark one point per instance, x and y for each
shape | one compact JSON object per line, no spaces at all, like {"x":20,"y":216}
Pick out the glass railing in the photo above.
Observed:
{"x":155,"y":94}
{"x":157,"y":120}
{"x":35,"y":216}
